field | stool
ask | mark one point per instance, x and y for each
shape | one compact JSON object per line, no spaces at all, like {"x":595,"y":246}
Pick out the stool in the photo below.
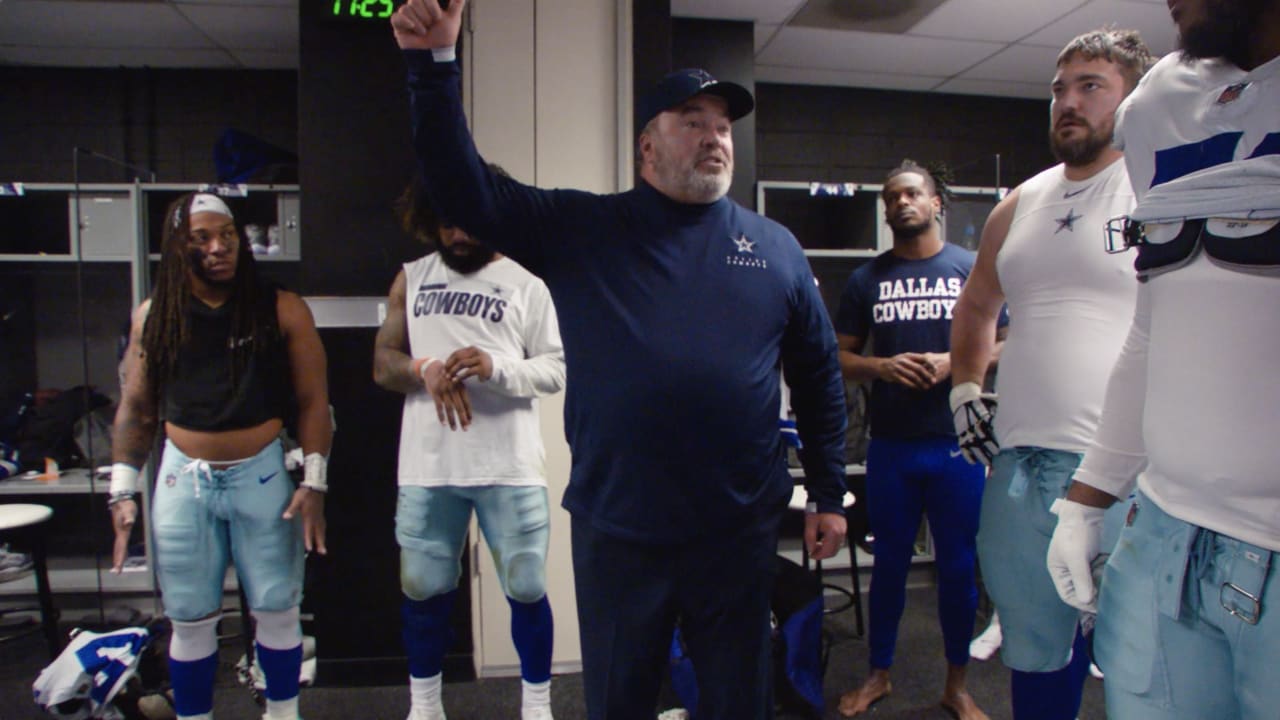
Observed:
{"x":29,"y":524}
{"x":799,"y":498}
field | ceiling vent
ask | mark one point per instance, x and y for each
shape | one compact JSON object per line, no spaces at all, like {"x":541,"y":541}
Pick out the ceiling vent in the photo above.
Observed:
{"x":881,"y":16}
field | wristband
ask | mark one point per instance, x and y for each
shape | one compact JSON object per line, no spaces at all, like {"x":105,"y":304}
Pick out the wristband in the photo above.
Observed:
{"x":315,"y":469}
{"x":114,"y":498}
{"x":445,"y":54}
{"x":124,"y":479}
{"x":420,"y":366}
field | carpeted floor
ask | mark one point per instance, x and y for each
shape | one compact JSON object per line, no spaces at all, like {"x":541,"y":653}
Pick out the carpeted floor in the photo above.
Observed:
{"x":917,"y":678}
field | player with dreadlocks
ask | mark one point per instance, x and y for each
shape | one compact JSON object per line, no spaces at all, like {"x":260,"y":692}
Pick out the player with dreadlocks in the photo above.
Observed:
{"x":213,"y":354}
{"x":901,"y":301}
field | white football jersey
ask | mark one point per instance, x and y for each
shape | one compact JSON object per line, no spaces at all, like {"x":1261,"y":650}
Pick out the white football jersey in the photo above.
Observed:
{"x":89,"y":672}
{"x":506,"y":311}
{"x":1187,"y":117}
{"x":1194,"y":395}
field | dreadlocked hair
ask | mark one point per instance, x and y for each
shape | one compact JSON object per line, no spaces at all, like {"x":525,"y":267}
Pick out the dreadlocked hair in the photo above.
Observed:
{"x":936,"y":175}
{"x":165,"y":330}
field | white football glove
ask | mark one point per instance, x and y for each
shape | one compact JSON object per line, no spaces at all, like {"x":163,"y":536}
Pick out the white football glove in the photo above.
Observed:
{"x":973,"y":413}
{"x":1072,"y":550}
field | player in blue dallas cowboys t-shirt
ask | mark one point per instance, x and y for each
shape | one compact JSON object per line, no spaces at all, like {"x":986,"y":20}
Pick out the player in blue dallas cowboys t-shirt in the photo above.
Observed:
{"x":901,"y":302}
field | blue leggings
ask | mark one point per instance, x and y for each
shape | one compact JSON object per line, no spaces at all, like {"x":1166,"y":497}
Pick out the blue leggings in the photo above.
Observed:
{"x":905,"y":480}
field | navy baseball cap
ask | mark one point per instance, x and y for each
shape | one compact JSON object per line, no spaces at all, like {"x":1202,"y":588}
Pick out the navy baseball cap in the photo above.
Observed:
{"x":681,"y":85}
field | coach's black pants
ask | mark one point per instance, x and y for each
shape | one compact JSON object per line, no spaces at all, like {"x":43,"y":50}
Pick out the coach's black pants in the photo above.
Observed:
{"x":630,"y":596}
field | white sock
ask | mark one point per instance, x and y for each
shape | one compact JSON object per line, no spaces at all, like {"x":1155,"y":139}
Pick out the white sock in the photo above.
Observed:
{"x":424,"y":693}
{"x":986,"y":644}
{"x":282,"y":709}
{"x":535,"y":694}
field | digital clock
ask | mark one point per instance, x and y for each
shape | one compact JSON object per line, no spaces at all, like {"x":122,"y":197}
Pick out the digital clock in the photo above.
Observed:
{"x":361,"y":9}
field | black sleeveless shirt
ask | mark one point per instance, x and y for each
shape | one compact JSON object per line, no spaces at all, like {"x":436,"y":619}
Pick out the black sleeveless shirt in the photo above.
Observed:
{"x":201,"y":394}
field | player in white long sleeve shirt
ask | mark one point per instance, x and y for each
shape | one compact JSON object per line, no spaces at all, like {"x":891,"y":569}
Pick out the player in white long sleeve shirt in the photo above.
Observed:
{"x":471,"y":339}
{"x":1186,"y":615}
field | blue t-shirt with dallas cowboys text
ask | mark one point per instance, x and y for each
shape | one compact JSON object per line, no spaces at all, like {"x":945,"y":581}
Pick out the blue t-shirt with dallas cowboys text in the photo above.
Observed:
{"x":905,"y":305}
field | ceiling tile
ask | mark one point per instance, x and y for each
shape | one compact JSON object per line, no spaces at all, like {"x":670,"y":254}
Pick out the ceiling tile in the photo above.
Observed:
{"x":1018,"y":63}
{"x":999,"y":88}
{"x":842,"y":78}
{"x":769,"y":12}
{"x":72,"y":25}
{"x":1156,"y":27}
{"x":998,"y":20}
{"x":872,"y":52}
{"x":252,"y":28}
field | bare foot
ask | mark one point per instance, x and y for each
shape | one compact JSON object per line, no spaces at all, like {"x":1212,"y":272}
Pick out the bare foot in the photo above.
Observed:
{"x":876,"y":687}
{"x":961,"y":705}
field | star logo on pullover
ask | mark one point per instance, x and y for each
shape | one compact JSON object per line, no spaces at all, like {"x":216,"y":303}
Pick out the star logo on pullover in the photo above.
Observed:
{"x":1068,"y":222}
{"x":744,"y":245}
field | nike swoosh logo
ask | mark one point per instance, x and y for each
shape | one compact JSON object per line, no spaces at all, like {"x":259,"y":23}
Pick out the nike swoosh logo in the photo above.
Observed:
{"x":1068,"y":195}
{"x":263,"y":480}
{"x":956,"y":453}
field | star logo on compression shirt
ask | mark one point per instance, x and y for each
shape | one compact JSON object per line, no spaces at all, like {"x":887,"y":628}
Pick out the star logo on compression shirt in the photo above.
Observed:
{"x":497,"y":290}
{"x":744,"y":245}
{"x":1068,"y":222}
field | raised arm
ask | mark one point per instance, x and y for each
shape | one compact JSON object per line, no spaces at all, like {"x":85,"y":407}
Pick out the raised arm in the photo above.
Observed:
{"x":424,"y":25}
{"x":520,"y":221}
{"x":309,"y":372}
{"x":132,"y":433}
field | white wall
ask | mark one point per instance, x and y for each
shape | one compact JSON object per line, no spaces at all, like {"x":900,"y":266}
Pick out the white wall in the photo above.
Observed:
{"x":540,"y":79}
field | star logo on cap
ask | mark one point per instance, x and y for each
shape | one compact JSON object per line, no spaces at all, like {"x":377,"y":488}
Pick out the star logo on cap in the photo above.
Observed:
{"x":744,"y":245}
{"x":703,"y":77}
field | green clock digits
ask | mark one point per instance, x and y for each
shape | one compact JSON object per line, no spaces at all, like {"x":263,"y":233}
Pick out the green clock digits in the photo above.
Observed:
{"x":363,"y":8}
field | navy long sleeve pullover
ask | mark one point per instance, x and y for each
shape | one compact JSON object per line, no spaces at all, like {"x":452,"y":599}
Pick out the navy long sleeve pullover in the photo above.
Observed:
{"x":675,"y":318}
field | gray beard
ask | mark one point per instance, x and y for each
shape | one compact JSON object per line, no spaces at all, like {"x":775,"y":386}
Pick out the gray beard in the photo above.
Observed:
{"x":698,"y":187}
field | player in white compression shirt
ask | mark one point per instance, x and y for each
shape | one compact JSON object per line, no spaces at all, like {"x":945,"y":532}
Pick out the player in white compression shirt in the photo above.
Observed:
{"x":1186,"y":621}
{"x":1070,"y":304}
